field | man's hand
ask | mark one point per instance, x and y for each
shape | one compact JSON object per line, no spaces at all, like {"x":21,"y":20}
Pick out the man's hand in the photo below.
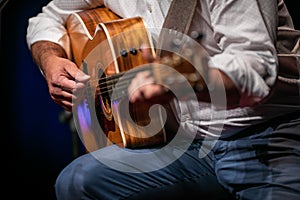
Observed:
{"x":61,"y":74}
{"x":143,"y":88}
{"x":63,"y":77}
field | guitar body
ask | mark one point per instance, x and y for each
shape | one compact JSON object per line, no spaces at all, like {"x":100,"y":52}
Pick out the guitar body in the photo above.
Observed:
{"x":109,"y":47}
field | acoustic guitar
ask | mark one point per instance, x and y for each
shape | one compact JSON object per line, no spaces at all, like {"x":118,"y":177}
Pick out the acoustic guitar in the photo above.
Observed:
{"x":107,"y":47}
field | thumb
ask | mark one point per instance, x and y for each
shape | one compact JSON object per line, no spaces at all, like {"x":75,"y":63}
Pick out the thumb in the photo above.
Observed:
{"x":77,"y":73}
{"x":81,"y":76}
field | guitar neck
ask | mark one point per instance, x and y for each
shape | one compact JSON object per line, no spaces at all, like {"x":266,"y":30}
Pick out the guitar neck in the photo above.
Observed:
{"x":116,"y":86}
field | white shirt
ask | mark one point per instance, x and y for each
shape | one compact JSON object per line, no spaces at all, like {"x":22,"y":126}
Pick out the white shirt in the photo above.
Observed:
{"x":237,"y":37}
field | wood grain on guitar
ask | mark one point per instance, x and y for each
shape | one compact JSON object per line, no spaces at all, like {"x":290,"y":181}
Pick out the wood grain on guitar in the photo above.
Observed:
{"x":110,"y":49}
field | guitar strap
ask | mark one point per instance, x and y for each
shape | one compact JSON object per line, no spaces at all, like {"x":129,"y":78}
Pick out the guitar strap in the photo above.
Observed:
{"x":179,"y":18}
{"x":287,"y":87}
{"x":180,"y":15}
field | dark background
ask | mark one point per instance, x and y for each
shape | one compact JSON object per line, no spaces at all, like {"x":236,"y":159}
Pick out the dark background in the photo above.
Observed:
{"x":35,"y":144}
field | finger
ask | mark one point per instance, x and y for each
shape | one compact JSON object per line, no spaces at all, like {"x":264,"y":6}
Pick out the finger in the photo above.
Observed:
{"x":62,"y":96}
{"x":153,"y":90}
{"x":65,"y":105}
{"x":81,"y":76}
{"x":64,"y":99}
{"x":147,"y":53}
{"x":135,"y":89}
{"x":134,"y":93}
{"x":76,"y":73}
{"x":136,"y":96}
{"x":70,"y":85}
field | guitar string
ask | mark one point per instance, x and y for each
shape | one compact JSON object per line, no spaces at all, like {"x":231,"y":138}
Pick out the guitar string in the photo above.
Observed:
{"x":112,"y":78}
{"x":122,"y":84}
{"x":121,"y":89}
{"x":111,"y":81}
{"x":106,"y":84}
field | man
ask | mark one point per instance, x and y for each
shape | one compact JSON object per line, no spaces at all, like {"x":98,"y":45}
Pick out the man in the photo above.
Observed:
{"x":250,"y":157}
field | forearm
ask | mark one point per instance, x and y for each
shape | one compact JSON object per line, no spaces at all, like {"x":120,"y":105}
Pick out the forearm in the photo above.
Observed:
{"x":43,"y":51}
{"x":219,"y":89}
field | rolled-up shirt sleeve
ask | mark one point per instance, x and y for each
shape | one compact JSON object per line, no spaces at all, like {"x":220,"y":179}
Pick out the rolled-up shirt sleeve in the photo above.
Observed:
{"x":245,"y":39}
{"x":49,"y":25}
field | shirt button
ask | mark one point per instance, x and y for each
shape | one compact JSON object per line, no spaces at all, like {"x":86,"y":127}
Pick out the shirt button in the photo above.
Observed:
{"x":149,"y":7}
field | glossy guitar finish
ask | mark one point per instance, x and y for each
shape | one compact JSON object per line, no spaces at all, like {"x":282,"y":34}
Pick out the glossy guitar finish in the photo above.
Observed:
{"x":109,"y":49}
{"x":120,"y":41}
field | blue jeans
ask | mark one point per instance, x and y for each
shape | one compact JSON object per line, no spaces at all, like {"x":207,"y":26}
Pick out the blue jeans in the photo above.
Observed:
{"x":260,"y":163}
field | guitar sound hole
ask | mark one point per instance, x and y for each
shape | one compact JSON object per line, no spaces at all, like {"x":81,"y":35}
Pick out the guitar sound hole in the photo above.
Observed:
{"x":103,"y":99}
